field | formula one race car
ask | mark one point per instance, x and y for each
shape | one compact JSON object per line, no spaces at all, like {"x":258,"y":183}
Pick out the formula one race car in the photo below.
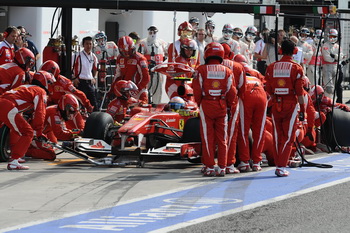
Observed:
{"x":150,"y":131}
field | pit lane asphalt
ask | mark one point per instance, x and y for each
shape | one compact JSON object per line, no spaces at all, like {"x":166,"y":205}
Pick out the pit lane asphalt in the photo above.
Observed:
{"x":66,"y":187}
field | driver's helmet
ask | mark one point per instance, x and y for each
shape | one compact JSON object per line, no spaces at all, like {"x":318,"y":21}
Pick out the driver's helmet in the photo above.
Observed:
{"x":177,"y":103}
{"x":101,"y":39}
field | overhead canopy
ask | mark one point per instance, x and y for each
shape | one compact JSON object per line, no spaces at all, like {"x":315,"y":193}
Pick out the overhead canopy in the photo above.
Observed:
{"x":162,"y":6}
{"x":68,"y":5}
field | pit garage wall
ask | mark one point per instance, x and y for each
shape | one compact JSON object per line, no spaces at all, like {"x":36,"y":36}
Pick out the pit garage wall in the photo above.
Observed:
{"x":87,"y":23}
{"x":37,"y":21}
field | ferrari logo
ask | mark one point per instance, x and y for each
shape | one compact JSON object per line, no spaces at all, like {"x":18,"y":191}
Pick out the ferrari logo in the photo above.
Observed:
{"x":215,"y":84}
{"x":181,"y":124}
{"x":281,"y":82}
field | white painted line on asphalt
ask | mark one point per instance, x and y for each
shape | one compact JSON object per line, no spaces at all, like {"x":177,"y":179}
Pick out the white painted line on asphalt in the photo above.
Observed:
{"x":249,"y":207}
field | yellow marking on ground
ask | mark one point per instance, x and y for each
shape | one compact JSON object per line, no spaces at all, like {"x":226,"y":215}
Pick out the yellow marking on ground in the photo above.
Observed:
{"x":64,"y":161}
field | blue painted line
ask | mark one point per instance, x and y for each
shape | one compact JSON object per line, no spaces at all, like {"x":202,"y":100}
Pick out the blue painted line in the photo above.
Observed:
{"x":170,"y":209}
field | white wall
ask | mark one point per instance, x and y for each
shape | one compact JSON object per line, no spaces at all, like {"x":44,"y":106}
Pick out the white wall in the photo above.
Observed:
{"x":38,"y":22}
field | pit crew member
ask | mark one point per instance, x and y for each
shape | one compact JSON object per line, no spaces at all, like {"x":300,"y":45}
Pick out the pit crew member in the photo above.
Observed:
{"x":29,"y":98}
{"x":214,"y":93}
{"x":16,"y":73}
{"x":284,"y":83}
{"x":133,"y":66}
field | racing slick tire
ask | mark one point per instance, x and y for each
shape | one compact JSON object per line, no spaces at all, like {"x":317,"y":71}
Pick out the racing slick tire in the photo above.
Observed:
{"x":340,"y":134}
{"x":4,"y":143}
{"x":191,"y":133}
{"x":97,"y":127}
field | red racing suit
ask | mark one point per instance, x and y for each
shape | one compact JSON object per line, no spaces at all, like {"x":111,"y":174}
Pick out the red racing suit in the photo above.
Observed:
{"x":13,"y":103}
{"x":135,"y":69}
{"x":252,"y":116}
{"x":118,"y":107}
{"x":310,"y":118}
{"x":284,"y":82}
{"x":11,"y":76}
{"x":64,"y":86}
{"x":240,"y":84}
{"x":55,"y":129}
{"x":214,"y":92}
{"x":7,"y":52}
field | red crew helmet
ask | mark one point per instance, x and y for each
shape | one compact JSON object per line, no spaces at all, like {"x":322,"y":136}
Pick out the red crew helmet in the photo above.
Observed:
{"x":185,"y":26}
{"x":126,"y":46}
{"x":24,"y":58}
{"x":316,"y":90}
{"x":240,"y":58}
{"x":122,"y":88}
{"x":44,"y":80}
{"x":51,"y":67}
{"x":228,"y":53}
{"x":69,"y":106}
{"x":214,"y":50}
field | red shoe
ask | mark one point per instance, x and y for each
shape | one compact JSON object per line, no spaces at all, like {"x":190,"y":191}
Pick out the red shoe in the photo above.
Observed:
{"x":15,"y":165}
{"x":281,"y":172}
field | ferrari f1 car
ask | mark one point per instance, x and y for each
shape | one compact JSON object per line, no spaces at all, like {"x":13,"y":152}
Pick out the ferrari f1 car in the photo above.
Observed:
{"x":149,"y":132}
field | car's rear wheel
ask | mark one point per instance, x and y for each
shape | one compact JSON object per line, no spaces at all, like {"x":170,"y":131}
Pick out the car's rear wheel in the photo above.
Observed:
{"x":97,"y":127}
{"x":4,"y":143}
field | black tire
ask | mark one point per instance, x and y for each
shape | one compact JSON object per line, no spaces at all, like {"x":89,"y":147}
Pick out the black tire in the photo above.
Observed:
{"x":97,"y":127}
{"x":195,"y":161}
{"x":4,"y":143}
{"x":191,"y":132}
{"x":341,"y":133}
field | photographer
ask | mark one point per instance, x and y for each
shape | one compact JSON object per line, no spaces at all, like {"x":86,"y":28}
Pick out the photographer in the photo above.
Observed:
{"x":269,"y":52}
{"x":23,"y":41}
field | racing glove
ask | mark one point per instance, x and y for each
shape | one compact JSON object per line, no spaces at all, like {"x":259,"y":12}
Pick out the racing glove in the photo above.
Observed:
{"x":89,"y":108}
{"x":332,"y":55}
{"x":309,"y":135}
{"x":76,"y":133}
{"x":42,"y":139}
